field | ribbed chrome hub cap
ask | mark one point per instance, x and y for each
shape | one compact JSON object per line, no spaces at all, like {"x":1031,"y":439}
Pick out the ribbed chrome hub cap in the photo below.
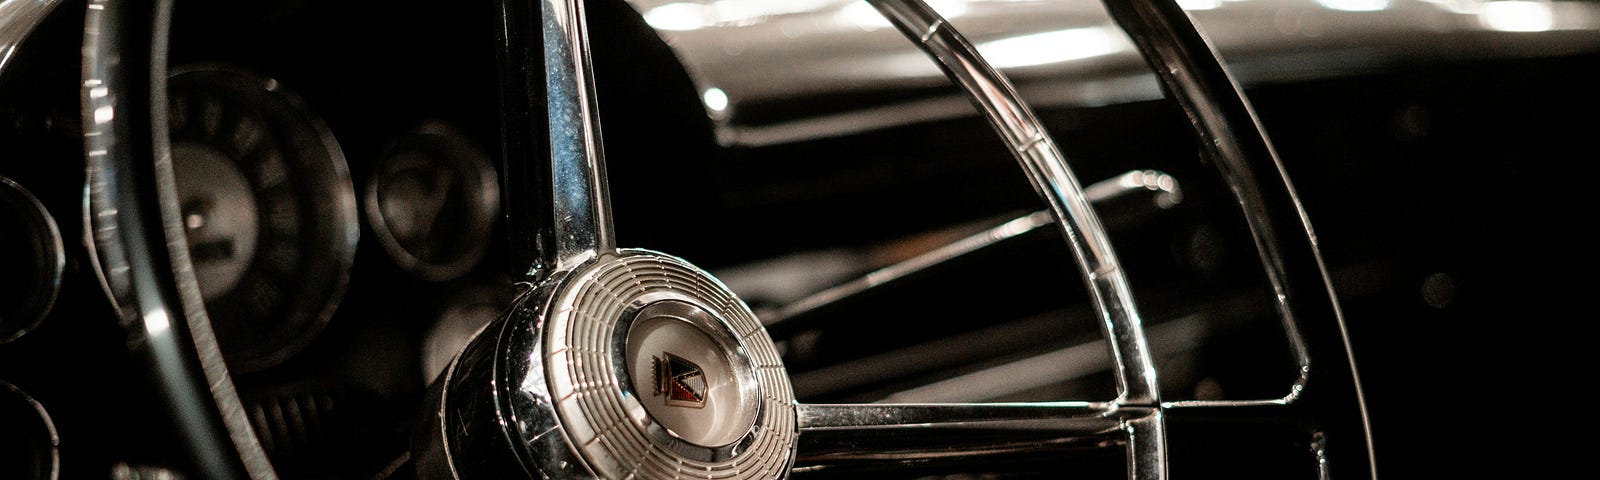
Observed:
{"x":656,"y":370}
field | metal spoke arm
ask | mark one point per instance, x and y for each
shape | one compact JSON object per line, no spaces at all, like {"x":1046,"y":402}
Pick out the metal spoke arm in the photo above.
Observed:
{"x":1193,"y":73}
{"x":1163,"y":190}
{"x":557,"y":205}
{"x":853,"y":437}
{"x":1047,"y":170}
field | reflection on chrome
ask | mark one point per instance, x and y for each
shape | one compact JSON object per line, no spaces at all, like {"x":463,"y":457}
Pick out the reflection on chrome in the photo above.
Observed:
{"x":17,"y":20}
{"x":1055,"y":46}
{"x":863,"y":15}
{"x":694,"y":15}
{"x":1517,"y":16}
{"x":716,"y":99}
{"x":1355,"y":5}
{"x":1193,"y":5}
{"x":1166,"y":194}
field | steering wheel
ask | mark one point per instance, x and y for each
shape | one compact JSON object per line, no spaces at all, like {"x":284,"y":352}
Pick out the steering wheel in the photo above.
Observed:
{"x":619,"y":362}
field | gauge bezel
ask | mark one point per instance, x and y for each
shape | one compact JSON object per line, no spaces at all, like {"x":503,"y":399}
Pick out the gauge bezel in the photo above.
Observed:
{"x":41,"y":227}
{"x":441,"y":141}
{"x":335,"y":217}
{"x":13,"y":397}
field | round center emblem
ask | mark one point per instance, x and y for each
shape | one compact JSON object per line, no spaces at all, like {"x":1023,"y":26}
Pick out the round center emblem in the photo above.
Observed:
{"x":688,"y":372}
{"x":654,"y":370}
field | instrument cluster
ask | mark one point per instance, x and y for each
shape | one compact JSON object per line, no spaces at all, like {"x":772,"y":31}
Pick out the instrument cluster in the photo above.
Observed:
{"x":340,"y":233}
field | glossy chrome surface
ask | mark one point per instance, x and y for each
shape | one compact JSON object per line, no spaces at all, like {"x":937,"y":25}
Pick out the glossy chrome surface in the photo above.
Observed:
{"x":1166,"y":195}
{"x":138,"y":236}
{"x":546,"y":390}
{"x":540,"y":390}
{"x":557,"y":206}
{"x":1064,"y":54}
{"x":35,"y":296}
{"x":562,"y":389}
{"x":1045,"y":369}
{"x":587,"y":373}
{"x":1047,"y":170}
{"x":17,"y":20}
{"x":1231,"y":136}
{"x":28,"y":427}
{"x":580,"y":219}
{"x":845,"y":437}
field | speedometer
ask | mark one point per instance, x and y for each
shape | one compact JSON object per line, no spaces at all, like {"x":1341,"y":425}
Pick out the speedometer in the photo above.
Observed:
{"x":267,"y":208}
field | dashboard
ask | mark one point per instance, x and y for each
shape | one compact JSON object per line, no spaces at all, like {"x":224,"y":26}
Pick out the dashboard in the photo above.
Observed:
{"x":340,"y":170}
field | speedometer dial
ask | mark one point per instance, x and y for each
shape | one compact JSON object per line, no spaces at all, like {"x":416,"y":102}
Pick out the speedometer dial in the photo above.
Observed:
{"x":267,"y":208}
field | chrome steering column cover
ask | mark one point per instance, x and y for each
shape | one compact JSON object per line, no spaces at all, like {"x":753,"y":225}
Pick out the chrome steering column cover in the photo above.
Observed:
{"x":561,"y":382}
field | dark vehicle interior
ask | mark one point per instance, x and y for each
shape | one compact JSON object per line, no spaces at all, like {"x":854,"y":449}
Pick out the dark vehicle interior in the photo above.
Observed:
{"x":1445,"y":176}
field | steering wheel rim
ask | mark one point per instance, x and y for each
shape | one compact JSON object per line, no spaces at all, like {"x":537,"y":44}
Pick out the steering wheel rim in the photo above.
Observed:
{"x":548,"y":96}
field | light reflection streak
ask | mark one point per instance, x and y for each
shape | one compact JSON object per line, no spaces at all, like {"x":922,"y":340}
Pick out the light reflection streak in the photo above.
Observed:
{"x":1195,"y":5}
{"x":1517,"y":16}
{"x":716,"y":99}
{"x":1355,"y":5}
{"x":1054,"y":46}
{"x":156,"y":322}
{"x":864,"y":16}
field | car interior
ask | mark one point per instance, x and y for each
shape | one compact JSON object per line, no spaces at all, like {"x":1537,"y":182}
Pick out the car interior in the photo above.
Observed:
{"x":346,"y":180}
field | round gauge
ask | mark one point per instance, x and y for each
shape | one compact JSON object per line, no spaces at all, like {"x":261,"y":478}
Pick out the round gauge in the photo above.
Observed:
{"x":31,"y":261}
{"x":28,"y":443}
{"x":267,"y":208}
{"x":432,"y":202}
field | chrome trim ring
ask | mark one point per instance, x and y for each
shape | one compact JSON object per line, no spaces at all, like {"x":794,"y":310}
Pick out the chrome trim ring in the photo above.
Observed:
{"x":18,"y":18}
{"x":26,"y":417}
{"x":593,"y":395}
{"x":308,"y":227}
{"x":465,"y":167}
{"x":34,"y":225}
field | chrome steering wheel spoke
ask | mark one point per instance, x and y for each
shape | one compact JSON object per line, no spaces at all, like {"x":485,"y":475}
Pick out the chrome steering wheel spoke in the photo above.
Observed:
{"x":632,"y":363}
{"x":845,"y":437}
{"x":557,"y":204}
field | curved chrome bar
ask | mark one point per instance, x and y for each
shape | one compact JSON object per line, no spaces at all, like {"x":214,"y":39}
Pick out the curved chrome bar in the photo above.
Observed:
{"x":581,"y":219}
{"x":1165,"y":190}
{"x":843,"y":436}
{"x":47,"y":238}
{"x":138,"y":238}
{"x":554,"y":161}
{"x":35,"y":425}
{"x":1047,"y":169}
{"x":1193,"y":74}
{"x":17,"y":19}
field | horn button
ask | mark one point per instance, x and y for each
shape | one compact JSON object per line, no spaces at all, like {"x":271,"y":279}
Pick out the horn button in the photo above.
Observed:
{"x":648,"y":368}
{"x":689,"y":373}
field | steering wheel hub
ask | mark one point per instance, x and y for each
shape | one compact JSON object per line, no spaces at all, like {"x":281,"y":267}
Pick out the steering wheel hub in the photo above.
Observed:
{"x":650,"y":368}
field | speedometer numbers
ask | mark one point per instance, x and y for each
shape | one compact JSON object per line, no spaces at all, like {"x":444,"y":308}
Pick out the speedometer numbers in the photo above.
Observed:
{"x":267,"y":208}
